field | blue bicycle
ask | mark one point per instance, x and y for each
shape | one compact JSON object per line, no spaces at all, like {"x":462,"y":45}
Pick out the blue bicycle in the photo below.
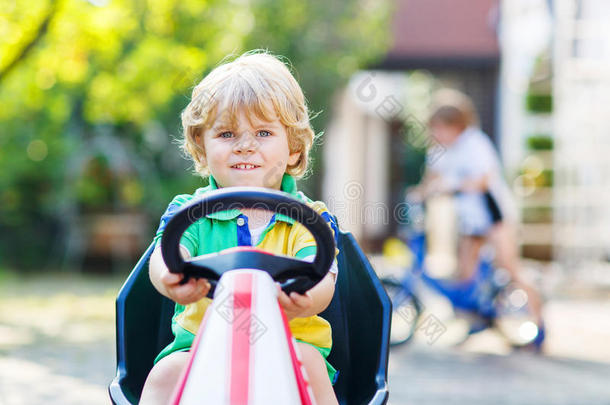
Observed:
{"x":489,"y":298}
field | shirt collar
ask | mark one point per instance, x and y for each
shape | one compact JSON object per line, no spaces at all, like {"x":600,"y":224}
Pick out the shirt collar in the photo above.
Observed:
{"x":289,"y":185}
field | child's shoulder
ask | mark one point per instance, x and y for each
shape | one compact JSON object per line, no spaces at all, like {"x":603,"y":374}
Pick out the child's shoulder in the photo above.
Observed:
{"x":322,"y":210}
{"x":317,"y":206}
{"x":183,"y":199}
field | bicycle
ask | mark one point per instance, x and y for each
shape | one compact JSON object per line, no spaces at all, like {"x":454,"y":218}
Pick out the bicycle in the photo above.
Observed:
{"x":489,"y":299}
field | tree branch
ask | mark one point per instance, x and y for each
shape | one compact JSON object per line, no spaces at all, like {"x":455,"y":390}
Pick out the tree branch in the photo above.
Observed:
{"x":40,"y":32}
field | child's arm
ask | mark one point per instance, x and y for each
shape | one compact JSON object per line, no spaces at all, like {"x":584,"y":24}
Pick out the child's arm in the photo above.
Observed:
{"x":480,"y":184}
{"x":168,"y":283}
{"x":312,"y":302}
{"x":429,"y":184}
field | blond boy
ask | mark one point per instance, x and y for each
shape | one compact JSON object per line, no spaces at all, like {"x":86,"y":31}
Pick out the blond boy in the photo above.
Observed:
{"x":246,"y":125}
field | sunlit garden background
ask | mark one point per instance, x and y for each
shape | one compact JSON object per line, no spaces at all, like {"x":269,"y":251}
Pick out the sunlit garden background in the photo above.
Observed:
{"x":90,"y":99}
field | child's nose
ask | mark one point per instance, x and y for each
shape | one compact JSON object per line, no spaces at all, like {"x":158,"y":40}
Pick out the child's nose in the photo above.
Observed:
{"x":246,"y":142}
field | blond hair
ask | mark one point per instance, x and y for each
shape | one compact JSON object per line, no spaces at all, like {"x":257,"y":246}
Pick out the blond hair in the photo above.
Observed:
{"x":261,"y":84}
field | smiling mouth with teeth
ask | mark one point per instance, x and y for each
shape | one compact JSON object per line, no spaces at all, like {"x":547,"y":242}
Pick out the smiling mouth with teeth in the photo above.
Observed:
{"x":244,"y":166}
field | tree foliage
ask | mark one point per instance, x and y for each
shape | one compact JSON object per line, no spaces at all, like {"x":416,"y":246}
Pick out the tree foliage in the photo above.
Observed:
{"x":91,"y":92}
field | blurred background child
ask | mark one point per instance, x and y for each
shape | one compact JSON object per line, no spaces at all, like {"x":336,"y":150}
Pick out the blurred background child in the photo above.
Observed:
{"x":463,"y":162}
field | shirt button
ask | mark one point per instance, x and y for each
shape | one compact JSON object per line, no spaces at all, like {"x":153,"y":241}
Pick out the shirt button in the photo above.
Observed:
{"x":241,"y":221}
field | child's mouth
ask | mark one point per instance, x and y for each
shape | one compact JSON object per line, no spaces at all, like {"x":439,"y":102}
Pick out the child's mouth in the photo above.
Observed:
{"x":244,"y":166}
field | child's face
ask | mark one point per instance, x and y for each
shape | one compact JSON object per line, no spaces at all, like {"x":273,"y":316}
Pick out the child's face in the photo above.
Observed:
{"x":444,"y":134}
{"x":250,"y":152}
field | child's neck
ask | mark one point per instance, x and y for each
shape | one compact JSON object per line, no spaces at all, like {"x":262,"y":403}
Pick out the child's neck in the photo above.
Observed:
{"x":257,"y":218}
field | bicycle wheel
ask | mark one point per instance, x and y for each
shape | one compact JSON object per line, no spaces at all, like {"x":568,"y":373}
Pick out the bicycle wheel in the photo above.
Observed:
{"x":406,"y":310}
{"x":515,"y":319}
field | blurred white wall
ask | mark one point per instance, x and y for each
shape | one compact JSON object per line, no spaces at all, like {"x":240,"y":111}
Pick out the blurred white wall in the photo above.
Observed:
{"x":356,"y":152}
{"x":582,"y":129}
{"x":525,"y":32}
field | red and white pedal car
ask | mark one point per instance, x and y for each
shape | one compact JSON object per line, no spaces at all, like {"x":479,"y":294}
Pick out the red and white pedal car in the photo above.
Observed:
{"x":245,"y":354}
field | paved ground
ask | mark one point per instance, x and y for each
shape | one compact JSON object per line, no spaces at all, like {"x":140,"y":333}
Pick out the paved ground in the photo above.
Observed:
{"x":427,"y":376}
{"x":56,"y":340}
{"x":57,"y":347}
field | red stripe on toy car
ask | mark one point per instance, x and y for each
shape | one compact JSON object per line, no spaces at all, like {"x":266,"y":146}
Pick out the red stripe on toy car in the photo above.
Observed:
{"x":240,"y":340}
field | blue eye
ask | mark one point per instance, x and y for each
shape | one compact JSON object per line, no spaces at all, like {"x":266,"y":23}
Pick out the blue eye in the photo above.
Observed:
{"x":226,"y":134}
{"x":264,"y":133}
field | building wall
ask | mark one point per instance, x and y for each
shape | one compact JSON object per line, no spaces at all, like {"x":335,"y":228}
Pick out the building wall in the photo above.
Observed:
{"x":356,"y":183}
{"x":582,"y":129}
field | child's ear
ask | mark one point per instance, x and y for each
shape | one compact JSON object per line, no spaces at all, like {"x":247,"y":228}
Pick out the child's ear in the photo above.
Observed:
{"x":293,"y":158}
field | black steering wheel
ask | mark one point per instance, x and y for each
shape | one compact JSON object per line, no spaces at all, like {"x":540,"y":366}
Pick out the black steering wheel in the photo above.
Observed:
{"x":292,"y":274}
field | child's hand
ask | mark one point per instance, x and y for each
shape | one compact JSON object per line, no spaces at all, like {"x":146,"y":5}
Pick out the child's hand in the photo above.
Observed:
{"x":191,"y":291}
{"x":295,"y":305}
